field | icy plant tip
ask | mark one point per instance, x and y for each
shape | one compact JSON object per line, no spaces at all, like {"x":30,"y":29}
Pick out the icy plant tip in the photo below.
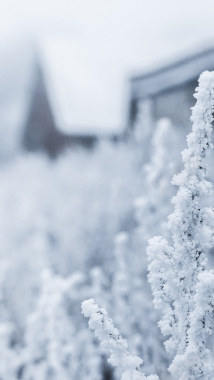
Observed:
{"x":112,"y":342}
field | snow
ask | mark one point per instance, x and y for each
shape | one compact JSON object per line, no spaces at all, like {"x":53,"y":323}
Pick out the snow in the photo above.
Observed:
{"x":81,"y":91}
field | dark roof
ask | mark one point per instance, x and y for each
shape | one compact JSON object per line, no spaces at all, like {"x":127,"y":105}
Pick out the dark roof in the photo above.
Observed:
{"x":172,"y":75}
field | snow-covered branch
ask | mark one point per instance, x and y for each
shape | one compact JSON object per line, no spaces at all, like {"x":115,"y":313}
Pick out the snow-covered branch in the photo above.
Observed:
{"x":112,"y":342}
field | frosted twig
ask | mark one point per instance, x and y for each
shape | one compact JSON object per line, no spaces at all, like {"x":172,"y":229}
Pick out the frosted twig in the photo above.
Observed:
{"x":113,"y":343}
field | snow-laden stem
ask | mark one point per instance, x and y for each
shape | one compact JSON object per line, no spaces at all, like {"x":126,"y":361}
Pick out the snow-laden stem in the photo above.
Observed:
{"x":177,"y":274}
{"x":113,"y":343}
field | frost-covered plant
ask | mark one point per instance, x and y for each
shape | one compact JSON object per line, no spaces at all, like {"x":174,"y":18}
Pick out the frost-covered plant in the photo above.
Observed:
{"x":62,"y":215}
{"x":142,"y":130}
{"x":121,"y":284}
{"x":57,"y":342}
{"x":130,"y":289}
{"x":182,"y":287}
{"x":49,"y":334}
{"x":113,"y":343}
{"x":9,"y":355}
{"x":99,"y":289}
{"x":153,"y":206}
{"x":151,"y":210}
{"x":131,"y":301}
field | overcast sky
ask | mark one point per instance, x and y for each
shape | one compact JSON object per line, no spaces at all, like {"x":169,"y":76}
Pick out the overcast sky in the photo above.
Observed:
{"x":109,"y":40}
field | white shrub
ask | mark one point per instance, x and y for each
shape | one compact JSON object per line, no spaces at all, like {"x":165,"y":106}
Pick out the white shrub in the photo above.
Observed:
{"x":183,"y":288}
{"x":178,"y":272}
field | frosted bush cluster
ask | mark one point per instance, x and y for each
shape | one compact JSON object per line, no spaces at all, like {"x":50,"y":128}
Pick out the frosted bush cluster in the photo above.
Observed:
{"x":60,"y":351}
{"x":130,"y":288}
{"x":78,"y":228}
{"x":59,"y":215}
{"x":183,"y":288}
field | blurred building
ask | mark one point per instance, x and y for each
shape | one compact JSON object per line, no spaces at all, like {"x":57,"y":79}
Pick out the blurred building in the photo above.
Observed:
{"x":52,"y":99}
{"x":41,"y":132}
{"x":168,"y":90}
